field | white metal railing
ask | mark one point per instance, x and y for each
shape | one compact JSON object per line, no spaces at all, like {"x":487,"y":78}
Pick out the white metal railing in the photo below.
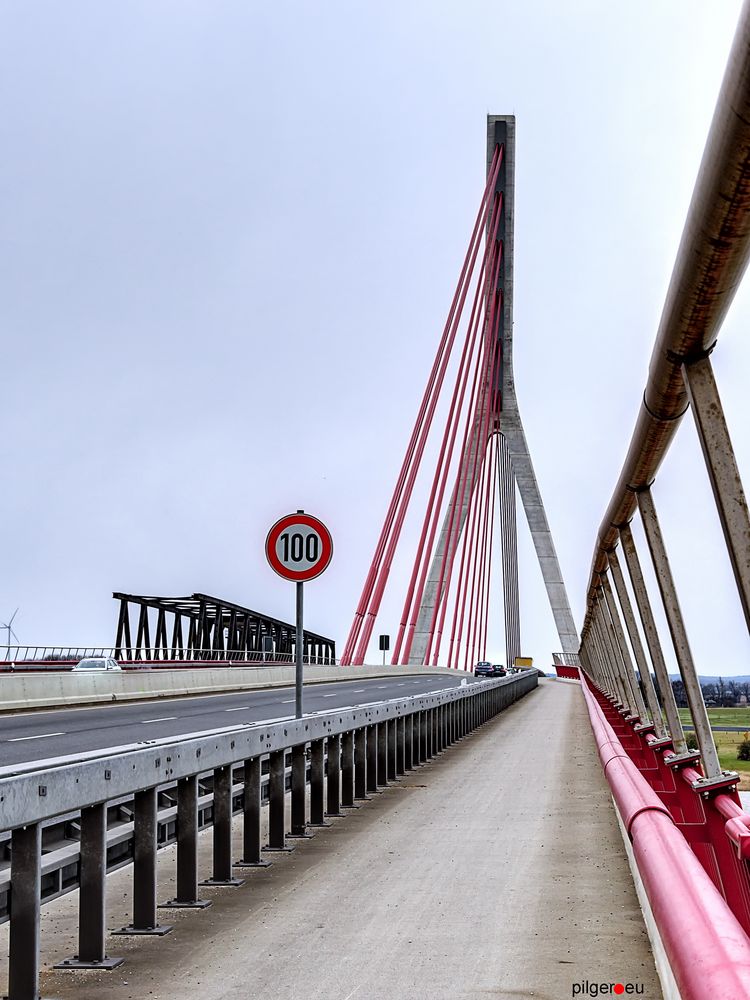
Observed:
{"x":47,"y":656}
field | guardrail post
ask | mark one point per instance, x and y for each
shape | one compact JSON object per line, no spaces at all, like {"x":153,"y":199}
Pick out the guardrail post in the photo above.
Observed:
{"x":347,"y":770}
{"x":333,"y":769}
{"x":683,"y":653}
{"x":382,"y":728}
{"x":372,"y":758}
{"x":25,"y":904}
{"x":434,"y":749}
{"x":409,"y":742}
{"x":92,"y":921}
{"x":276,"y":805}
{"x":251,"y":824}
{"x":391,"y":771}
{"x":222,"y":833}
{"x":144,"y":867}
{"x":652,"y":639}
{"x":723,"y":471}
{"x":424,"y":735}
{"x":299,"y":791}
{"x":415,"y":740}
{"x":187,"y":847}
{"x":400,"y":746}
{"x":317,"y":771}
{"x":361,"y":783}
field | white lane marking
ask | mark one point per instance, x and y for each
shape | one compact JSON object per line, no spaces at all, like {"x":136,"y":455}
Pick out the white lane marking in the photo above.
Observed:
{"x":401,"y":685}
{"x":382,"y":687}
{"x":290,"y":701}
{"x":42,"y":736}
{"x":242,"y":708}
{"x":329,"y":695}
{"x":167,"y":718}
{"x":358,"y":690}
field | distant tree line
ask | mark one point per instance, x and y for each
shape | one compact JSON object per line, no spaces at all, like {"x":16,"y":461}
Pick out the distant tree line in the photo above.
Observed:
{"x":717,"y":694}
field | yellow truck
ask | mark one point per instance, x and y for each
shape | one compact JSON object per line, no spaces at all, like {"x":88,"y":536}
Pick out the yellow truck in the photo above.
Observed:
{"x":523,"y":662}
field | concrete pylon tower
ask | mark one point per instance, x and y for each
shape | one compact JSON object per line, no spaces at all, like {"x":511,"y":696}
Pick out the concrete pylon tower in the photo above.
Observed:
{"x":516,"y":468}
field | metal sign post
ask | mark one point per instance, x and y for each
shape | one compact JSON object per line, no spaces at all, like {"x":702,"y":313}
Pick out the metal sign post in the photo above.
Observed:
{"x":384,"y":642}
{"x":299,"y":547}
{"x":298,"y":645}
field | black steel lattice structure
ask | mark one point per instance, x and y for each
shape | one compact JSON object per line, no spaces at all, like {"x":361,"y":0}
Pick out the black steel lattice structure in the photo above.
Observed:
{"x":201,"y":627}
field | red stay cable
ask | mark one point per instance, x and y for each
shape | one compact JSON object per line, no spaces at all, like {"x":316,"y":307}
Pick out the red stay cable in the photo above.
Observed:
{"x":459,"y":493}
{"x":408,"y":458}
{"x":385,"y":568}
{"x":476,"y":530}
{"x":495,"y":497}
{"x":484,"y":568}
{"x":478,"y":416}
{"x":434,"y":506}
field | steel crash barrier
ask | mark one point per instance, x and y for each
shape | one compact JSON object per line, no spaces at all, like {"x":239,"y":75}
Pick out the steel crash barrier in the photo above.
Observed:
{"x":345,"y":755}
{"x":690,"y":836}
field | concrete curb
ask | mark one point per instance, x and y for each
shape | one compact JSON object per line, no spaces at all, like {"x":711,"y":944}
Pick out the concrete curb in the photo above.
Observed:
{"x":53,"y":689}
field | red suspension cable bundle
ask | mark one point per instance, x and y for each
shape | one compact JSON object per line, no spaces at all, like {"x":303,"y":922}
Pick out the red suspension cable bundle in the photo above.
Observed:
{"x":468,"y":510}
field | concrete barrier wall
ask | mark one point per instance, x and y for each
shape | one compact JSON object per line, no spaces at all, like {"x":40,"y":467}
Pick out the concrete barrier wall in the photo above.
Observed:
{"x":53,"y":689}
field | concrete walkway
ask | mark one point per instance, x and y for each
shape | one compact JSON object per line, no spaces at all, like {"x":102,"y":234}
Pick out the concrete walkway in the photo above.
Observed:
{"x":497,"y":870}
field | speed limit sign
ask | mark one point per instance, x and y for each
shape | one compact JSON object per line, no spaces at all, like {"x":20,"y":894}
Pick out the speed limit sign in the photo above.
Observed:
{"x":299,"y":547}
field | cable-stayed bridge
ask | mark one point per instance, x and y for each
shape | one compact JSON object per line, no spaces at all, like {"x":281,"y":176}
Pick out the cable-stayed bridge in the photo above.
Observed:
{"x":506,"y":837}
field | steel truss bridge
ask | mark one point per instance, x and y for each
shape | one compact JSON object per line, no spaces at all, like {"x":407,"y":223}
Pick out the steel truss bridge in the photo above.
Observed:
{"x":684,"y":828}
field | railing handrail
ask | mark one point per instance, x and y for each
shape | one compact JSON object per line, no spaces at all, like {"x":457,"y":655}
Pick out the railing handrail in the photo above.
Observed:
{"x":712,"y":257}
{"x":29,"y":653}
{"x":708,"y":950}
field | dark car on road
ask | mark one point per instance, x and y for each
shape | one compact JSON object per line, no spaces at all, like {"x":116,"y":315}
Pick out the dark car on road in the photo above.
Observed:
{"x":484,"y":669}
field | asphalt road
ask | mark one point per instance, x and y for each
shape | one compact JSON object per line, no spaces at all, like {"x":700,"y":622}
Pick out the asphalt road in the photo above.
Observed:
{"x":41,"y":735}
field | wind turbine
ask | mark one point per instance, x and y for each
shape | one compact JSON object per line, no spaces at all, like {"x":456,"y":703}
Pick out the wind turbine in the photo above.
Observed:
{"x":8,"y":626}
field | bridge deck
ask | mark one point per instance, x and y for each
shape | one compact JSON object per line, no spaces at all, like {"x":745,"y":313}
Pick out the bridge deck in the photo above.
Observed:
{"x":496,"y":870}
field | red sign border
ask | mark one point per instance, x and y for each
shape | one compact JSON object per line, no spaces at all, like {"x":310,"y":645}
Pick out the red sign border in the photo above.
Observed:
{"x":299,"y":576}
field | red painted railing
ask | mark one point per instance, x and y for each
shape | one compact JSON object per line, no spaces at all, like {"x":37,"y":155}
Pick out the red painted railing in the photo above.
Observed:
{"x":570,"y":673}
{"x":695,"y":896}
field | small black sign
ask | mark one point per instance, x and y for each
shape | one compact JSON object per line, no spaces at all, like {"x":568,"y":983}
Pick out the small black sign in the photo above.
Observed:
{"x":384,"y":642}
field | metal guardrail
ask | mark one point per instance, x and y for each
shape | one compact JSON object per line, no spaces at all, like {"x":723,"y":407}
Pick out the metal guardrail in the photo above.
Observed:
{"x":618,"y":655}
{"x":61,"y":837}
{"x":712,"y":257}
{"x":707,"y":948}
{"x":359,"y":748}
{"x":566,"y":659}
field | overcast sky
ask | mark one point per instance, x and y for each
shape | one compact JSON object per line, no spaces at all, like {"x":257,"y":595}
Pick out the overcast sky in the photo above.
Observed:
{"x":230,"y":235}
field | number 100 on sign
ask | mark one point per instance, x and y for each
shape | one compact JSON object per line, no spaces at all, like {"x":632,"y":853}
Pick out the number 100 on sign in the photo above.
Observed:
{"x":299,"y":547}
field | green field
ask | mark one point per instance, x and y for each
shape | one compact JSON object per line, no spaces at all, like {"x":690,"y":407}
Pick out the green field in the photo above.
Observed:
{"x":722,"y":717}
{"x":726,"y":742}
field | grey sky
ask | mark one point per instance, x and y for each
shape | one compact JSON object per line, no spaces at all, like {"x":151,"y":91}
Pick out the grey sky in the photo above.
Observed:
{"x":230,"y":235}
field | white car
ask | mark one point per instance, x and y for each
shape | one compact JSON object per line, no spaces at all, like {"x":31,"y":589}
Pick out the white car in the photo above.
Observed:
{"x":97,"y":663}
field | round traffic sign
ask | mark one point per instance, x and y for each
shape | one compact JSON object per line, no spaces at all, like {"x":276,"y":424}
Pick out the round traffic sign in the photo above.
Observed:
{"x":299,"y":547}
